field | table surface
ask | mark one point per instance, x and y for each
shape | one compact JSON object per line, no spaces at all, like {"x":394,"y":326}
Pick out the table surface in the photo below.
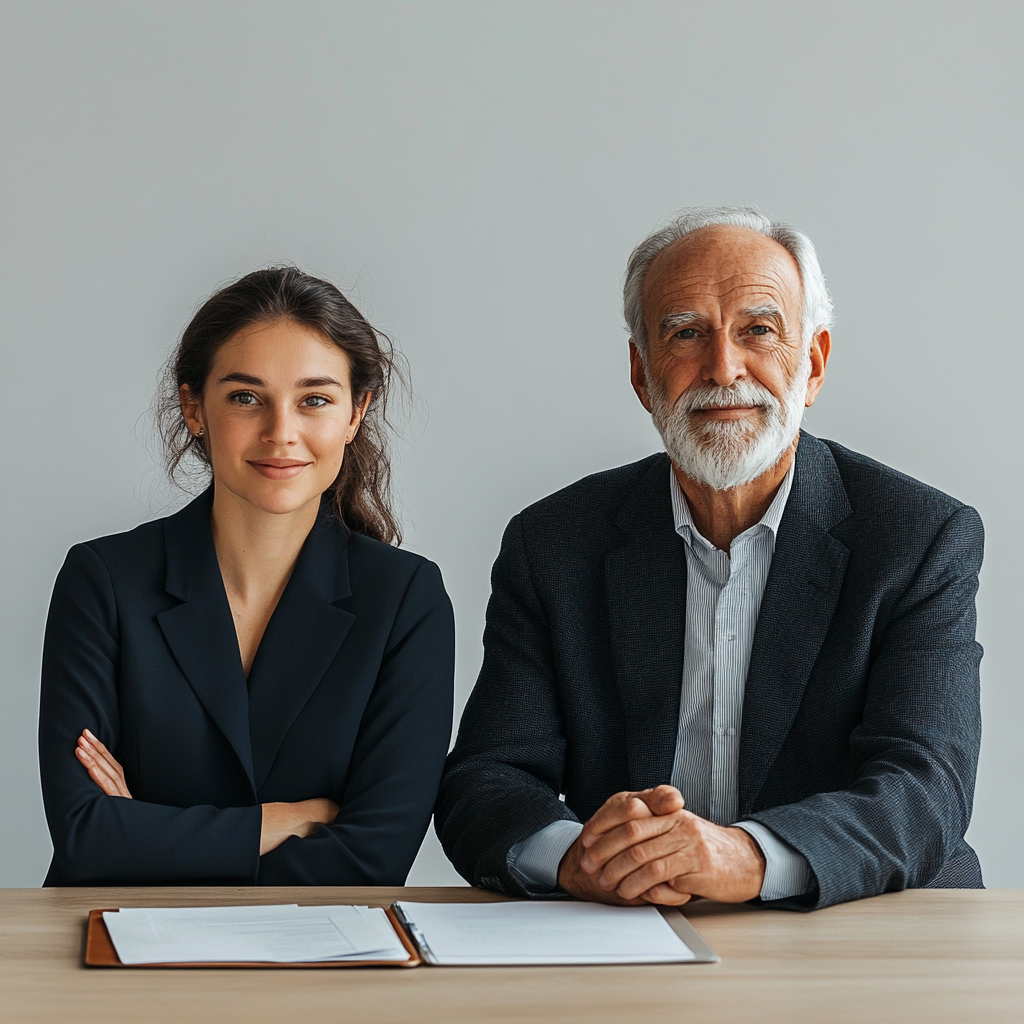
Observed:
{"x":935,"y":955}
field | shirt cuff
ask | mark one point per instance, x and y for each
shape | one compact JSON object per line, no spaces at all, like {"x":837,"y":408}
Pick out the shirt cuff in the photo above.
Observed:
{"x":535,"y":861}
{"x":786,"y":871}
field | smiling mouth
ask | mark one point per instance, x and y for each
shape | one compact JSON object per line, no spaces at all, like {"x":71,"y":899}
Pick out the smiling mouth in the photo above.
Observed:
{"x":728,"y":408}
{"x":278,"y":469}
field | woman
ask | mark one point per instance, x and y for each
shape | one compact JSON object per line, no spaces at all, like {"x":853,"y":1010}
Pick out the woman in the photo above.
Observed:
{"x":257,"y":689}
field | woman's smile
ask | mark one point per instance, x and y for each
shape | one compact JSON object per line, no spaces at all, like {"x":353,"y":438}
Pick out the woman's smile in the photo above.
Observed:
{"x":278,"y":469}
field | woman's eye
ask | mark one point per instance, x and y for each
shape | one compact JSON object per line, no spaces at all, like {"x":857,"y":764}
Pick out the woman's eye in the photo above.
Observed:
{"x":315,"y":401}
{"x":242,"y":398}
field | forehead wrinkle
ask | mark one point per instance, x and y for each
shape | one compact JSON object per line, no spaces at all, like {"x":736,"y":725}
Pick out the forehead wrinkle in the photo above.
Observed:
{"x":711,"y":260}
{"x":725,"y":286}
{"x":729,"y":292}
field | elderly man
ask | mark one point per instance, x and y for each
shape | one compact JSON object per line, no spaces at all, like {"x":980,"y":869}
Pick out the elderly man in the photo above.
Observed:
{"x":745,"y":671}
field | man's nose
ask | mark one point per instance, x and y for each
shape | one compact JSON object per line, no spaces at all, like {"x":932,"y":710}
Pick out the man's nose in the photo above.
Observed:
{"x":281,"y":427}
{"x":723,"y":360}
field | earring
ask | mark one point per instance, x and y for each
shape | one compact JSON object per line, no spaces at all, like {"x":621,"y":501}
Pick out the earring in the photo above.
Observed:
{"x":199,"y":432}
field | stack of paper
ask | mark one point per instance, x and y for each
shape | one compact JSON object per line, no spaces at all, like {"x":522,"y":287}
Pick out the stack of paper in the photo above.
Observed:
{"x":547,"y":933}
{"x":271,"y":934}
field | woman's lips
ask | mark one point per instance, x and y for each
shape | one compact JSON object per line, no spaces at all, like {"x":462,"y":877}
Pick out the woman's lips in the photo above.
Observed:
{"x":279,"y":469}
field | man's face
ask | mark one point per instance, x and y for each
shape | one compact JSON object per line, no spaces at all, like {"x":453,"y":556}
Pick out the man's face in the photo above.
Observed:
{"x":726,"y":374}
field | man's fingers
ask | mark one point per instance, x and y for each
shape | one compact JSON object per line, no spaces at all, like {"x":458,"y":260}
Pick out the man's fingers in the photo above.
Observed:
{"x":678,"y":843}
{"x":665,"y":895}
{"x":623,"y":807}
{"x":614,"y":811}
{"x":663,"y":799}
{"x":674,"y":872}
{"x":629,"y":836}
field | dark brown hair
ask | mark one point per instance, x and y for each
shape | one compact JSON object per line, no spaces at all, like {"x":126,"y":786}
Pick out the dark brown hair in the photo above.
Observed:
{"x":361,"y":494}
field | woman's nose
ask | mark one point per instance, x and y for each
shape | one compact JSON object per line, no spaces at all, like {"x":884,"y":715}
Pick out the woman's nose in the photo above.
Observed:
{"x":281,"y":428}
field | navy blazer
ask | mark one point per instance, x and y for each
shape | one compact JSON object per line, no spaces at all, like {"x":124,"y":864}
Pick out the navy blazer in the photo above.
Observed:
{"x":349,"y":697}
{"x":861,"y":721}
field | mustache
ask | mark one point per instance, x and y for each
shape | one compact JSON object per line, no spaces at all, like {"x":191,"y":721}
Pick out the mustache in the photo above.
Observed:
{"x":713,"y":396}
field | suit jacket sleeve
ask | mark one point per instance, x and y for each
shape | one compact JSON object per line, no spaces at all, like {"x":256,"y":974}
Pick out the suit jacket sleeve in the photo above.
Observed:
{"x":915,"y":749}
{"x":503,"y":778}
{"x":100,"y":839}
{"x":398,"y":757}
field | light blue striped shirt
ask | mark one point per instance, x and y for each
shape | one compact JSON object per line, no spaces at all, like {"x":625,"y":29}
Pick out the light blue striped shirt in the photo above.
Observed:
{"x":723,"y":597}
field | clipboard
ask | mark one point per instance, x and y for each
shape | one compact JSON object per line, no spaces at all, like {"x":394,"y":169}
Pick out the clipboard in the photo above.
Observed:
{"x":678,"y":922}
{"x":672,"y":916}
{"x":100,"y":951}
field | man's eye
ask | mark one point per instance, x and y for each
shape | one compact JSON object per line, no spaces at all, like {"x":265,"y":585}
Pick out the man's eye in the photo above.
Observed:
{"x":687,"y":334}
{"x":242,"y":398}
{"x":760,"y":329}
{"x":315,"y":401}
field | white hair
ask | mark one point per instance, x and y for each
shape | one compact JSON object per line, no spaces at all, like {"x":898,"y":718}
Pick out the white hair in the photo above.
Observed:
{"x":727,"y":454}
{"x":817,"y":303}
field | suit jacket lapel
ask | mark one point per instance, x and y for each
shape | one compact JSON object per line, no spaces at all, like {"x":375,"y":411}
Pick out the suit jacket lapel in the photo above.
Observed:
{"x":645,"y":579}
{"x":200,"y":631}
{"x":800,"y":597}
{"x":301,"y":640}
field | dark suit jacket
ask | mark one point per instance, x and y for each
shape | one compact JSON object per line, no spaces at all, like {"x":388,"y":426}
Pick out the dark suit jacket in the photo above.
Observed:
{"x":349,"y":697}
{"x":861,"y":720}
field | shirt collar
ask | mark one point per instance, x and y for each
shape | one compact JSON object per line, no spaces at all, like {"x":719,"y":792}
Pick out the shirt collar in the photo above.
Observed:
{"x":686,"y":528}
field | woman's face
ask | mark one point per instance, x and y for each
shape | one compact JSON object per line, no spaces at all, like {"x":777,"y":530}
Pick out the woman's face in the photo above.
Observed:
{"x":277,"y":411}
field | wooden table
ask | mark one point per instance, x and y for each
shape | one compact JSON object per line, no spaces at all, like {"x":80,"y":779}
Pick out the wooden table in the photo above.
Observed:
{"x":933,"y":956}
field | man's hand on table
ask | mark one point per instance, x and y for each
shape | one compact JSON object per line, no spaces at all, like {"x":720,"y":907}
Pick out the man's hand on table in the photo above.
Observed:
{"x":645,"y":848}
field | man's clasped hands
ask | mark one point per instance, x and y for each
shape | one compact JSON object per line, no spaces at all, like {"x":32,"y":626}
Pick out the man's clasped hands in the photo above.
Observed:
{"x":644,"y":847}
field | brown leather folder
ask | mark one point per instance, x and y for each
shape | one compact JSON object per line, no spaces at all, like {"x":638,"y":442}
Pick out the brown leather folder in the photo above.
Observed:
{"x":100,"y":952}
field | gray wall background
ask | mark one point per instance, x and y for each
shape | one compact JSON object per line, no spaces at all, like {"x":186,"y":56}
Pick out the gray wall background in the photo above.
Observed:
{"x":474,"y":175}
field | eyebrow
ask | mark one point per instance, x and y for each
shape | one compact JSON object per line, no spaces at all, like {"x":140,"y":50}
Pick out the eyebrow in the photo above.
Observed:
{"x":768,"y":309}
{"x":675,"y":320}
{"x":256,"y":382}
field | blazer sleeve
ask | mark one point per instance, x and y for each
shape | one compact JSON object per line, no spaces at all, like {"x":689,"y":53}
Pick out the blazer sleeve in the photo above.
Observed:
{"x":397,"y":760}
{"x":502,"y":780}
{"x":100,"y":839}
{"x":915,"y":750}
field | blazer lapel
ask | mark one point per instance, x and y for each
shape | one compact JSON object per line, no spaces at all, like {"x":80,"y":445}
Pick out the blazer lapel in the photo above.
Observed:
{"x":301,"y":640}
{"x":200,"y":631}
{"x":799,"y":600}
{"x":645,"y":579}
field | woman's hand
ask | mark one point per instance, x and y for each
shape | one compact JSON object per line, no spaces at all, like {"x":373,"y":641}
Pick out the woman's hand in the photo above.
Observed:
{"x":102,"y":766}
{"x":282,"y":820}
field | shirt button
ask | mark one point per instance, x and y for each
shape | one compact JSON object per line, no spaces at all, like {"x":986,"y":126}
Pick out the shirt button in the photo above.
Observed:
{"x":730,"y":731}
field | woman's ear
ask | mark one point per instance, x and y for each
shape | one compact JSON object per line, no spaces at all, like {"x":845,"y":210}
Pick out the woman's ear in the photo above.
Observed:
{"x":191,"y":410}
{"x":358,"y":412}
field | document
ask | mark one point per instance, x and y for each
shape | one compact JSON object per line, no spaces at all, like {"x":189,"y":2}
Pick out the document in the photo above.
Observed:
{"x":544,"y":933}
{"x":269,"y":934}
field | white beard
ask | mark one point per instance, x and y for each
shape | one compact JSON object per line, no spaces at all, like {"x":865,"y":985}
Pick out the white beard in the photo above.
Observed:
{"x":727,"y":454}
